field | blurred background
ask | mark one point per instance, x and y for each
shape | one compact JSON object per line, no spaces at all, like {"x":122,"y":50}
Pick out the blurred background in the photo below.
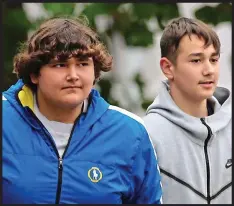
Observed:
{"x":132,"y":34}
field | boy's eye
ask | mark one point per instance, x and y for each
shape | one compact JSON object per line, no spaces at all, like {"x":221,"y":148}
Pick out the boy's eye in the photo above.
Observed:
{"x":195,"y":60}
{"x":214,"y":60}
{"x":58,"y":65}
{"x":83,"y":64}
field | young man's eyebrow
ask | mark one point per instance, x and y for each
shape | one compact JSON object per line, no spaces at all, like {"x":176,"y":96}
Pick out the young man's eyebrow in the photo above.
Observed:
{"x":200,"y":54}
{"x":215,"y":54}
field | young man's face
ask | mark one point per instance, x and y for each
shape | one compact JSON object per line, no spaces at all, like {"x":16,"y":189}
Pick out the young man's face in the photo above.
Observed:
{"x":65,"y":84}
{"x":196,"y":72}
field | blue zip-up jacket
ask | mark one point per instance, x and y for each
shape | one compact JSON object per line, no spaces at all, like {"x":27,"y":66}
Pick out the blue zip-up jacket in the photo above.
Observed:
{"x":109,"y":157}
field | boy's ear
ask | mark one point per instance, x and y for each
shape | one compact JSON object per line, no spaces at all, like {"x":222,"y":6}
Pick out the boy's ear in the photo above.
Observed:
{"x":167,"y":68}
{"x":34,"y":78}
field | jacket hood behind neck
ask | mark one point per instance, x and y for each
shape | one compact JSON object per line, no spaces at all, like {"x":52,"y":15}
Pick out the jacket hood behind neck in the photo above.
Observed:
{"x":166,"y":107}
{"x":21,"y":98}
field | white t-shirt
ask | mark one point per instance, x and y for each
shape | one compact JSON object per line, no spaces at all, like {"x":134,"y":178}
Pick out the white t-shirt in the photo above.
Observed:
{"x":58,"y":130}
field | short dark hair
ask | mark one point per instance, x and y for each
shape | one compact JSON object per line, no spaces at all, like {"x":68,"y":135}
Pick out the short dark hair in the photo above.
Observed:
{"x":180,"y":27}
{"x":60,"y":37}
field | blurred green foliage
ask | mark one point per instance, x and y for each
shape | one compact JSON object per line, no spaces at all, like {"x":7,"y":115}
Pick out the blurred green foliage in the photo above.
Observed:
{"x":15,"y":27}
{"x":59,"y":8}
{"x":214,"y":15}
{"x":129,"y":19}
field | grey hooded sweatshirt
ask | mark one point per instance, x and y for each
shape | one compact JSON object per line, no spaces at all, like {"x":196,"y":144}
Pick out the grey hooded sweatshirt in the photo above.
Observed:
{"x":194,"y":154}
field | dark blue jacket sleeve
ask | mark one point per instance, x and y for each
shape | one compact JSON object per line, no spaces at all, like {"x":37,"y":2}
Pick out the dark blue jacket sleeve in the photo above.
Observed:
{"x":146,"y":184}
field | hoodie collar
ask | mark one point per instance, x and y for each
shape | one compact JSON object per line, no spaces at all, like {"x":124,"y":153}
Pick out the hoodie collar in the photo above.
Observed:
{"x":166,"y":107}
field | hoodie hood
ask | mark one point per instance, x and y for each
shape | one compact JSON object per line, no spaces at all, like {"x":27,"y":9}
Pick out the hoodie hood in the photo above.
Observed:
{"x":20,"y":97}
{"x":164,"y":106}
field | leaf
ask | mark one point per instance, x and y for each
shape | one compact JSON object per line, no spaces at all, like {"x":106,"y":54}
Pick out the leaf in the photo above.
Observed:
{"x":105,"y":91}
{"x":225,"y":12}
{"x":59,"y":8}
{"x":94,"y":9}
{"x":140,"y":82}
{"x":144,"y":11}
{"x":138,"y":35}
{"x":122,"y":22}
{"x":15,"y":28}
{"x":167,"y":11}
{"x":209,"y":15}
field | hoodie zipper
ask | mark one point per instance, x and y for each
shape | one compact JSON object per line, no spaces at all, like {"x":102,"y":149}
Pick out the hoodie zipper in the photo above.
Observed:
{"x":207,"y":159}
{"x":60,"y":159}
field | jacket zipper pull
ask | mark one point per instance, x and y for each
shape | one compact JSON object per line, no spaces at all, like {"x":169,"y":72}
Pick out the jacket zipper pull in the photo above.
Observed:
{"x":60,"y":163}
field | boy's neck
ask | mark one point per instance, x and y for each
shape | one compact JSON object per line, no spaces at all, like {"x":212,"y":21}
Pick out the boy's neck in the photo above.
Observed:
{"x":58,"y":114}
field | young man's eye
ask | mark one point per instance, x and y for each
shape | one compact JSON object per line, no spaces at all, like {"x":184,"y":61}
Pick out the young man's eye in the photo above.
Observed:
{"x":195,"y":60}
{"x":214,"y":60}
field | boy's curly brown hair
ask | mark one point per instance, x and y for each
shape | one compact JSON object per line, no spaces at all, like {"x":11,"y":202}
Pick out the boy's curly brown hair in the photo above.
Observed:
{"x":60,"y":37}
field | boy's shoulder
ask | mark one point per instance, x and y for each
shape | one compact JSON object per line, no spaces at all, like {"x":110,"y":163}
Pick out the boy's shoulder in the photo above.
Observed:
{"x":126,"y":121}
{"x":158,"y":125}
{"x":129,"y":116}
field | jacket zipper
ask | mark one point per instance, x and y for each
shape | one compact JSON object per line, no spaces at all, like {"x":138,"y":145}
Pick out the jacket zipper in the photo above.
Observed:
{"x":60,"y":166}
{"x":207,"y":159}
{"x":60,"y":159}
{"x":60,"y":175}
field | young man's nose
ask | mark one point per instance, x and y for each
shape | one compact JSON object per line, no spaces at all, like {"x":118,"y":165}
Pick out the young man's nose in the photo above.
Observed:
{"x":209,"y":68}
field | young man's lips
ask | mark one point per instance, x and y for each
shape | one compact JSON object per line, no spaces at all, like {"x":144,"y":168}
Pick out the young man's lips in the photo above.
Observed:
{"x":207,"y":84}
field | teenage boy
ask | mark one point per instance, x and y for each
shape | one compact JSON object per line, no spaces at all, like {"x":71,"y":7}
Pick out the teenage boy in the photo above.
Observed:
{"x":190,"y":119}
{"x":62,"y":142}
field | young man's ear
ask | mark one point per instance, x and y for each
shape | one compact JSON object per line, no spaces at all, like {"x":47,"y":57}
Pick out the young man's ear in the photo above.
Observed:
{"x":34,"y":78}
{"x":167,"y":68}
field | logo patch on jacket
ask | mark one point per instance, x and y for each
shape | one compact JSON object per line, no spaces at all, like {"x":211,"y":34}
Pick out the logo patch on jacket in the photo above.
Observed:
{"x":94,"y":174}
{"x":229,"y":163}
